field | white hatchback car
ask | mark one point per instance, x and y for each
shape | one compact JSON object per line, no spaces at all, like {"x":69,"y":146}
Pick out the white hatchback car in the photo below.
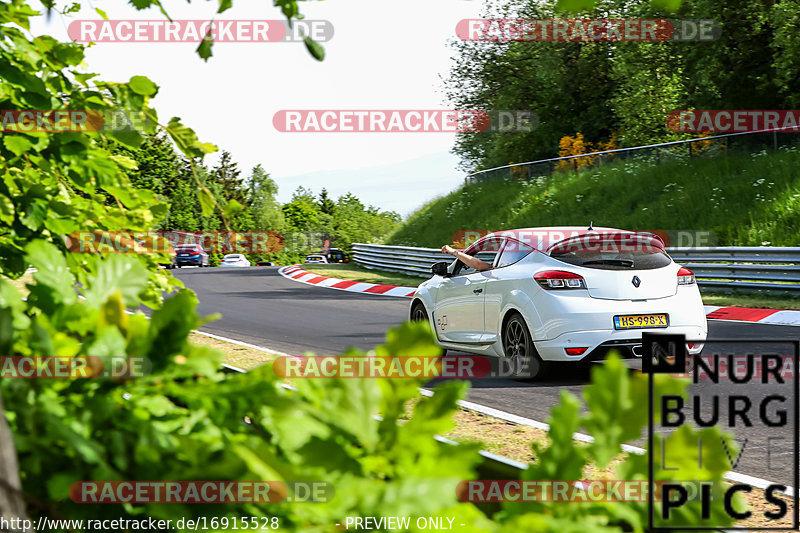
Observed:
{"x":561,"y":294}
{"x":234,"y":260}
{"x":316,"y":258}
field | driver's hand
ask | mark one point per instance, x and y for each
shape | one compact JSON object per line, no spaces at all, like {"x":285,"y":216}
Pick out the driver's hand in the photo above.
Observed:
{"x":448,"y":250}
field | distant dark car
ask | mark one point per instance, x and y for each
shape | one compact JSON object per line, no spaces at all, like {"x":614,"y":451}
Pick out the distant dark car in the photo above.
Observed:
{"x":191,"y":255}
{"x":335,"y":255}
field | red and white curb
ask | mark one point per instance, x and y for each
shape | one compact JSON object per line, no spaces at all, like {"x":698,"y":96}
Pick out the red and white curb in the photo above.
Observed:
{"x":739,"y":314}
{"x":298,"y":274}
{"x":748,"y":314}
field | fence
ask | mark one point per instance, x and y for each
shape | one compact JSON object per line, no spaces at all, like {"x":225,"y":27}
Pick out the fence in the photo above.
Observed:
{"x":742,"y":268}
{"x":702,"y":146}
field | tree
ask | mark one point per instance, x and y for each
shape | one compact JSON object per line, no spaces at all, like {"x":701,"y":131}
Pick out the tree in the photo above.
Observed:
{"x":226,"y":175}
{"x":157,"y":164}
{"x":261,"y":193}
{"x":302,"y":213}
{"x":623,"y":88}
{"x":326,"y":205}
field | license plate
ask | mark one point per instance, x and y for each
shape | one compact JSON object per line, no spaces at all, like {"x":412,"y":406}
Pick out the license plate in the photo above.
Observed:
{"x":640,"y":321}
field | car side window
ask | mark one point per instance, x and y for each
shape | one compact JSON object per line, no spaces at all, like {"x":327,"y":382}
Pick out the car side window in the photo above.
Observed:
{"x":486,"y":252}
{"x":512,"y":252}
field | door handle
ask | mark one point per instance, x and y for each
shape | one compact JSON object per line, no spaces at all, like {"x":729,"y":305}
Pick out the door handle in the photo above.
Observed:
{"x":477,"y":291}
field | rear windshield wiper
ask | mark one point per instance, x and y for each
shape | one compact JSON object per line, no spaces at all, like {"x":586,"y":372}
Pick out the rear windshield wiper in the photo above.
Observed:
{"x":620,"y":262}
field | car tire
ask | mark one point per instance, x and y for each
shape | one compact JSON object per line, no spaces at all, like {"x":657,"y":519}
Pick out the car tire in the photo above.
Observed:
{"x":418,"y":312}
{"x":520,"y":351}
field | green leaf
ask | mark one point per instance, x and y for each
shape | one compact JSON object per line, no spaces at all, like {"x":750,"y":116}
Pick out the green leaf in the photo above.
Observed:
{"x":6,"y":209}
{"x":17,"y":144}
{"x":207,"y":201}
{"x":143,"y":85}
{"x":666,"y":5}
{"x":233,"y":208}
{"x":562,"y":459}
{"x":314,"y":48}
{"x":125,"y":162}
{"x":224,"y":5}
{"x":58,"y":485}
{"x":116,"y":273}
{"x":69,"y":53}
{"x":204,"y":50}
{"x":126,"y":135}
{"x":575,"y":6}
{"x":51,"y":270}
{"x":170,"y":325}
{"x":186,"y":139}
{"x":101,"y":13}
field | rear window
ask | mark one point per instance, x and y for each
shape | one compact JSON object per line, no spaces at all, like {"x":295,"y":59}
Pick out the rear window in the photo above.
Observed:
{"x":615,"y":251}
{"x":232,"y":256}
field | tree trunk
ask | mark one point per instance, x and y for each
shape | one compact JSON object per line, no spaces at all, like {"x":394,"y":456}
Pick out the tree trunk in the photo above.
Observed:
{"x":12,"y":506}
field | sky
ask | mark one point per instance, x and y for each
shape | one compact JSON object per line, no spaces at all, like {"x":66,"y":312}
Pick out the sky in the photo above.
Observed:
{"x":384,"y":55}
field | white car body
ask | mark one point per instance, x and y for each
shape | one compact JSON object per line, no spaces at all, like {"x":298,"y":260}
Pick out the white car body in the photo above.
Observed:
{"x":316,"y":258}
{"x":234,"y":260}
{"x":468,"y":311}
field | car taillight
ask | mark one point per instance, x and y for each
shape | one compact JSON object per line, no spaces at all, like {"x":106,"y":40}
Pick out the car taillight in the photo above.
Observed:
{"x":194,"y":253}
{"x":575,"y":351}
{"x":559,"y":279}
{"x":685,"y":276}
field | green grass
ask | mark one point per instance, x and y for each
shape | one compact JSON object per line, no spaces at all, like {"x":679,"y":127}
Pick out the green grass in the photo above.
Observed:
{"x":357,"y":273}
{"x":744,"y":199}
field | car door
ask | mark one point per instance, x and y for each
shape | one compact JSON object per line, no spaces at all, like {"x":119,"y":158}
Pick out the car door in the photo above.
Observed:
{"x":458,"y":313}
{"x":500,"y":283}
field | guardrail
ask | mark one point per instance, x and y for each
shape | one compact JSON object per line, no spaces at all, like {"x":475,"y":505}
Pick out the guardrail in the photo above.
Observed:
{"x":742,"y":268}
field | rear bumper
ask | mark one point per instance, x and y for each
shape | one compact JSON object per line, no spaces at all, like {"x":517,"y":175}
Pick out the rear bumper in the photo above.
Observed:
{"x":600,"y":342}
{"x":192,"y":261}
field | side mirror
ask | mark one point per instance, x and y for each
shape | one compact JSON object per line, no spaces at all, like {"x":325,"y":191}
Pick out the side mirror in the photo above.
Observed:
{"x":440,"y":268}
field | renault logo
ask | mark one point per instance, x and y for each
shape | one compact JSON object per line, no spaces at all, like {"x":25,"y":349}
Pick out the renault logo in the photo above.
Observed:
{"x":636,"y":281}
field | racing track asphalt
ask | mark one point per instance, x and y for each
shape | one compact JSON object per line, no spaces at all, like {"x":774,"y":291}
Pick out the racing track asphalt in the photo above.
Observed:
{"x":261,"y":307}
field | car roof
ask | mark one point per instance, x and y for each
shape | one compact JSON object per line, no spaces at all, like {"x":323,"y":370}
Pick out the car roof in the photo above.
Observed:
{"x":543,"y":238}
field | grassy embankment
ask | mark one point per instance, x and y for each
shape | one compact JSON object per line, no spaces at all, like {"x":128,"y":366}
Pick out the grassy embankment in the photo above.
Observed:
{"x":740,"y":200}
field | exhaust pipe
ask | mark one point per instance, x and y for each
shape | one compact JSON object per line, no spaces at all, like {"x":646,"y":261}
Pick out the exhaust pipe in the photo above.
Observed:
{"x":637,"y":350}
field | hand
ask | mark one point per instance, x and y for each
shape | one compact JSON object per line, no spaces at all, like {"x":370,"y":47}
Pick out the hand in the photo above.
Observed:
{"x":448,"y":250}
